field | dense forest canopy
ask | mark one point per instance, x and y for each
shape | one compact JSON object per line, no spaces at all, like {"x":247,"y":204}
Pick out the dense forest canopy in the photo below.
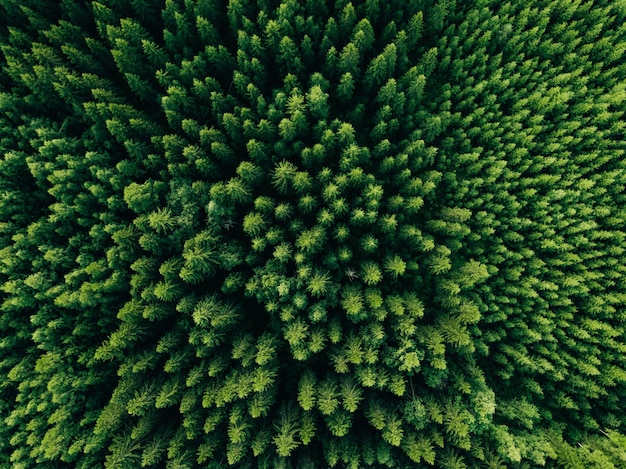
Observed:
{"x":281,"y":233}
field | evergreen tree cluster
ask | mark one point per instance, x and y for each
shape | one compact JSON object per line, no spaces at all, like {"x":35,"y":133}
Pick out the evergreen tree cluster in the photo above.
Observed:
{"x":264,"y":233}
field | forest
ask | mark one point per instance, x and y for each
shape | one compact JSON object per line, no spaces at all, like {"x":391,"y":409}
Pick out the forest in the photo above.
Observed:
{"x":312,"y":234}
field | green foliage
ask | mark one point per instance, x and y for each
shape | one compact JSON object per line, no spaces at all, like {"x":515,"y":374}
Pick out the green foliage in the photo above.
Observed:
{"x":312,"y":234}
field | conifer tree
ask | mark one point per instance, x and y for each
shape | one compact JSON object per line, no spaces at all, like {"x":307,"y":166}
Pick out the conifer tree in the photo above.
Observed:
{"x":302,"y":234}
